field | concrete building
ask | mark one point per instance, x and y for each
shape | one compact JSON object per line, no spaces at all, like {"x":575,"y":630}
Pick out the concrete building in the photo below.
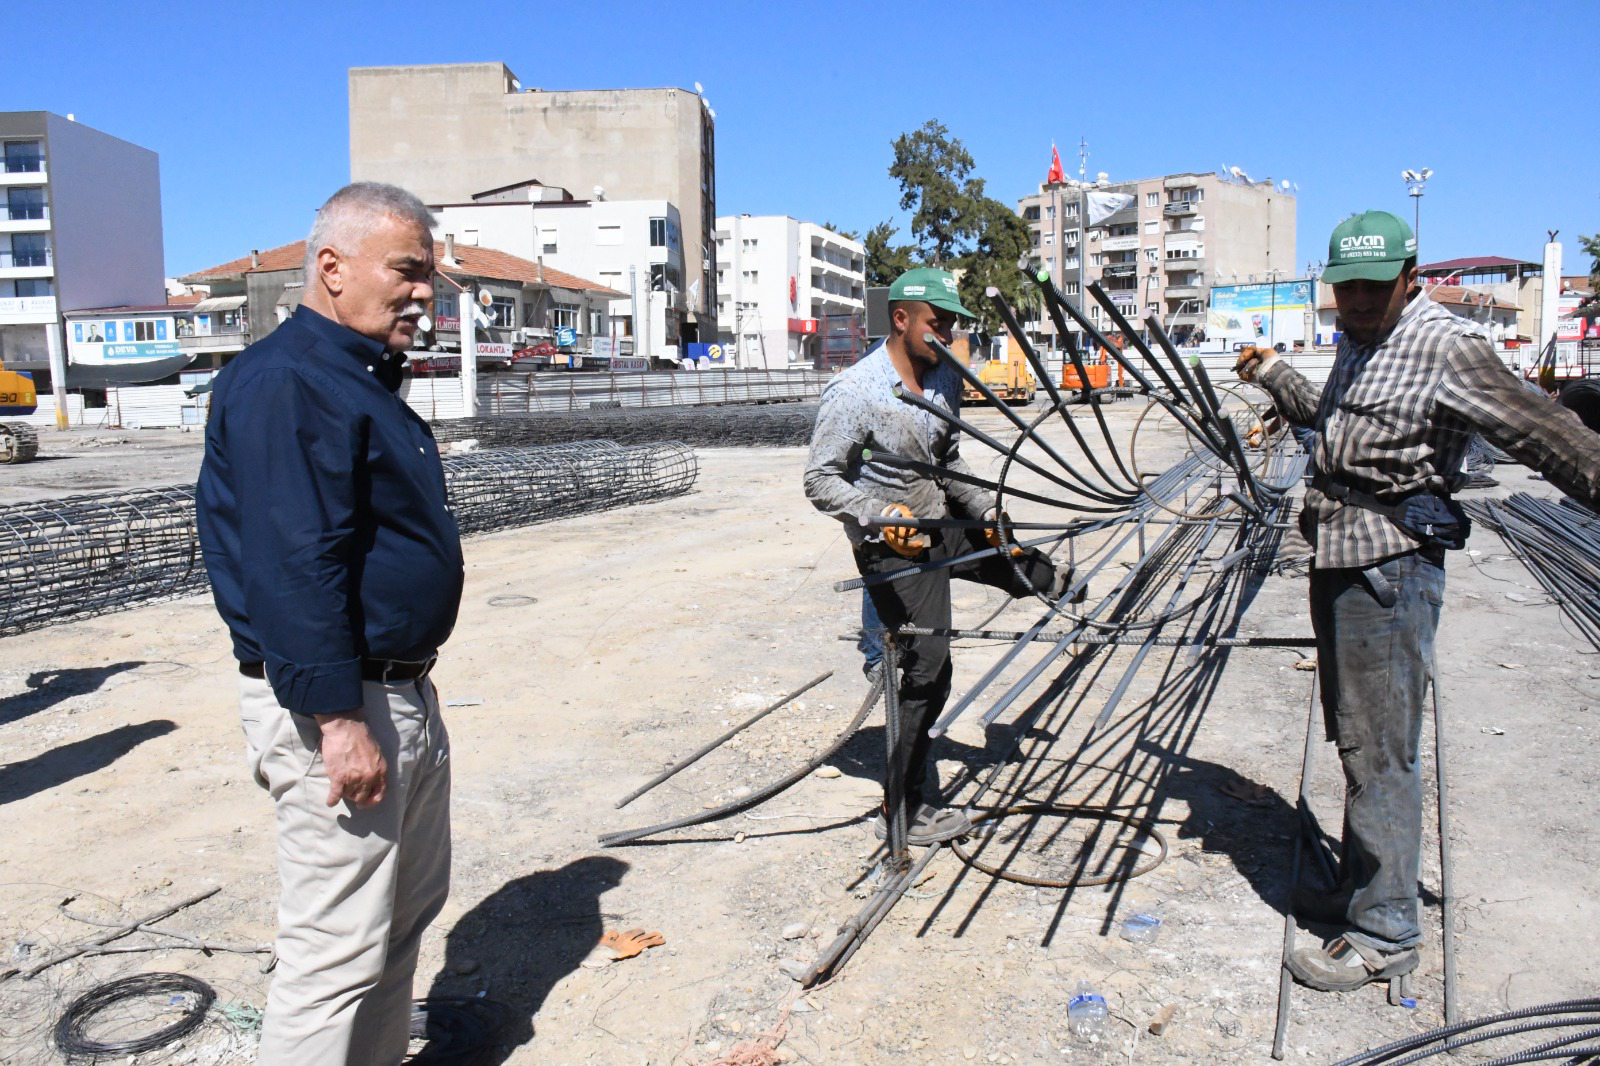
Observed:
{"x":1164,"y":248}
{"x":1510,"y":281}
{"x":525,"y":302}
{"x":634,"y":247}
{"x":80,"y":228}
{"x":792,"y":293}
{"x":447,"y":132}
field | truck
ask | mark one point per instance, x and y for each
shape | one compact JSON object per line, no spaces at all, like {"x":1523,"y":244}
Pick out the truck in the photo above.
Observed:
{"x":18,"y":441}
{"x":1005,"y":372}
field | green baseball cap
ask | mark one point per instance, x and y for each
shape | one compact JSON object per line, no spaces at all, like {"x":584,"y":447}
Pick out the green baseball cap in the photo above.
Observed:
{"x":930,"y":285}
{"x":1371,"y":246}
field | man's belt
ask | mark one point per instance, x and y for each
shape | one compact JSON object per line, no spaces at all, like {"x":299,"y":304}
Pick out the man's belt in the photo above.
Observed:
{"x":380,"y":670}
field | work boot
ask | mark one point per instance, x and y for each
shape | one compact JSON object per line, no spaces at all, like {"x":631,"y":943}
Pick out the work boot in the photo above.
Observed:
{"x":1065,"y":573}
{"x":1343,"y":965}
{"x":1329,"y":906}
{"x":927,"y":826}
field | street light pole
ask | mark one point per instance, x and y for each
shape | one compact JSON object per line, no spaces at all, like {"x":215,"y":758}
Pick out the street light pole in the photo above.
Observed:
{"x":1416,"y":184}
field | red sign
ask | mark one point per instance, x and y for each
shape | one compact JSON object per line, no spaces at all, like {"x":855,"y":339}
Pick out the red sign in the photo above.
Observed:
{"x":802,"y":325}
{"x":793,"y":292}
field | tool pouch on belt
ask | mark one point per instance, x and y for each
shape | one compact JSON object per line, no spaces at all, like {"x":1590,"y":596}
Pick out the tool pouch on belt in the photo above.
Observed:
{"x":1436,"y":521}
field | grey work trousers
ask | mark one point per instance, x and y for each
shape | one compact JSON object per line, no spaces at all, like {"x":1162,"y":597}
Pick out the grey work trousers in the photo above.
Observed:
{"x":1374,"y":664}
{"x":358,"y":887}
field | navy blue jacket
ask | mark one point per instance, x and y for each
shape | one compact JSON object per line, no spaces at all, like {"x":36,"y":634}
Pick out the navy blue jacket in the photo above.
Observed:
{"x":321,"y":507}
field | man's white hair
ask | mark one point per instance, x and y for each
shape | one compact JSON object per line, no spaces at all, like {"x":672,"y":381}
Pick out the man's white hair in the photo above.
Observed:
{"x":353,"y":213}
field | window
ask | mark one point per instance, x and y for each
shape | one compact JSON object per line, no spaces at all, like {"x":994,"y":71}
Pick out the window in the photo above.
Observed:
{"x":608,"y":234}
{"x":25,"y":202}
{"x":1150,"y":255}
{"x":1050,"y":211}
{"x":1151,"y":225}
{"x":564,"y":316}
{"x":1049,"y":238}
{"x":597,"y":323}
{"x":1097,"y":259}
{"x":503,"y":312}
{"x":24,"y":156}
{"x":751,"y":277}
{"x":664,"y":276}
{"x":34,"y":287}
{"x":722,"y":277}
{"x":145,"y":330}
{"x":1050,"y":264}
{"x":28,"y":250}
{"x":1031,"y":213}
{"x":750,"y":244}
{"x":1070,"y":210}
{"x":658,"y":233}
{"x":1070,"y":288}
{"x":1152,"y":199}
{"x":547,"y":242}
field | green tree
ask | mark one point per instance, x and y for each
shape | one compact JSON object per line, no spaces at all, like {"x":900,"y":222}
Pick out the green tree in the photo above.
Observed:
{"x":847,"y":234}
{"x":1591,"y":248}
{"x":886,"y":260}
{"x":954,"y":224}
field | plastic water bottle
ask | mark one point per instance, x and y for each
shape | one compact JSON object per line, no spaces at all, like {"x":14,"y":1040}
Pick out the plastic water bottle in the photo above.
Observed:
{"x":1142,"y":928}
{"x":1086,"y":1013}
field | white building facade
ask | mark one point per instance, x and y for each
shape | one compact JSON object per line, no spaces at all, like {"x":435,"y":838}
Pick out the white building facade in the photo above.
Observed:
{"x":790,"y":294}
{"x":632,"y":246}
{"x":80,"y":226}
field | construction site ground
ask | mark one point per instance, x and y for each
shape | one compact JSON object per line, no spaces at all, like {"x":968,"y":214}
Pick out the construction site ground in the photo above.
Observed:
{"x":592,"y":652}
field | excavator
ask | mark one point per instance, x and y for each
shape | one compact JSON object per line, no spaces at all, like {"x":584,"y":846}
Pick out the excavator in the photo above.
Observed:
{"x":18,"y":442}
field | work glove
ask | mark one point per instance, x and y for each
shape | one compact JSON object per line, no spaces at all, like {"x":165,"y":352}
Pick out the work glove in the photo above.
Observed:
{"x":997,"y":518}
{"x":903,"y":540}
{"x":1250,"y":362}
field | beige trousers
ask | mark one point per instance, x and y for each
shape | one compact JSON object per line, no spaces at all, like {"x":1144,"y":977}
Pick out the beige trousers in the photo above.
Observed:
{"x":358,"y":886}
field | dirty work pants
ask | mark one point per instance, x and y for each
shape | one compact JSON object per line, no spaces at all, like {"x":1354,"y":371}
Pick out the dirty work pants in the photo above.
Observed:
{"x":358,"y":886}
{"x":1374,"y":664}
{"x":924,"y":600}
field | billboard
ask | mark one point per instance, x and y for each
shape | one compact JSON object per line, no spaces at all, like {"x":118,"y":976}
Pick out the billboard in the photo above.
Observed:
{"x":119,"y":340}
{"x":1274,"y":313}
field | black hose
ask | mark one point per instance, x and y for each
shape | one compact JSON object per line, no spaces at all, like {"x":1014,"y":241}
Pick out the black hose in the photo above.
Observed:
{"x":1441,"y":1037}
{"x":72,"y":1031}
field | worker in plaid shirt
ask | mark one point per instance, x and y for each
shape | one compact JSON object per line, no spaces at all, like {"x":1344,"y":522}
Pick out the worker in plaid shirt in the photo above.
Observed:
{"x":1410,"y":385}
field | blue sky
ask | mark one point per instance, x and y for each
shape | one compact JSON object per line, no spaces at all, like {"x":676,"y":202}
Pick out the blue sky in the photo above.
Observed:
{"x":247,"y":103}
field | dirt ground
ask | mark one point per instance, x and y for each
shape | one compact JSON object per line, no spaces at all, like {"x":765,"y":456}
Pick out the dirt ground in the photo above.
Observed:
{"x":593,"y":651}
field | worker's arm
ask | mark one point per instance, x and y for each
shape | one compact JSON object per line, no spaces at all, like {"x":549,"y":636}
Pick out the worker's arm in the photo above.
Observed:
{"x":1535,"y":430}
{"x":837,"y":440}
{"x":1297,"y":398}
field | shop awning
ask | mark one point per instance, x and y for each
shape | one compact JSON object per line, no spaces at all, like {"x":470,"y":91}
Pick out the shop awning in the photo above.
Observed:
{"x":219,"y":303}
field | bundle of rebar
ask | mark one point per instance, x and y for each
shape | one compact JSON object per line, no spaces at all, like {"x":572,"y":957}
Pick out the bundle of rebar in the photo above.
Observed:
{"x":1559,"y":543}
{"x":82,"y":556}
{"x":735,"y":426}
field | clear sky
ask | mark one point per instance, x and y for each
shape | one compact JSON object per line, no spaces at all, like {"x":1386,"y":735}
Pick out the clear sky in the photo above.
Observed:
{"x":247,"y":103}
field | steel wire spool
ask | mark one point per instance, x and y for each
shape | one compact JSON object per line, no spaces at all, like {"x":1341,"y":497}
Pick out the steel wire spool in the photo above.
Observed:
{"x":82,"y":556}
{"x":83,"y":1028}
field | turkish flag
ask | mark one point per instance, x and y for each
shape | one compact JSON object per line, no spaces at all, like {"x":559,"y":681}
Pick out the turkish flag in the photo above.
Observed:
{"x":1056,"y":176}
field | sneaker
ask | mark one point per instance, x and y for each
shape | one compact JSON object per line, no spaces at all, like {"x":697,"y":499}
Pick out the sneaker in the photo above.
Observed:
{"x":1342,"y":965}
{"x":929,"y":825}
{"x":1327,"y":905}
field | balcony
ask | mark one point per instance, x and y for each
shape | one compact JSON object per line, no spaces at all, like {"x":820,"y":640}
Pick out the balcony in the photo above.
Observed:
{"x":33,"y":260}
{"x":1188,"y":318}
{"x":1181,"y":181}
{"x":1178,"y":209}
{"x":1183,"y":264}
{"x":1183,"y":292}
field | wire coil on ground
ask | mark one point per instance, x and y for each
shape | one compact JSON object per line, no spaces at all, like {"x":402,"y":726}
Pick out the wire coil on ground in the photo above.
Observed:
{"x":72,"y":1031}
{"x":1096,"y":813}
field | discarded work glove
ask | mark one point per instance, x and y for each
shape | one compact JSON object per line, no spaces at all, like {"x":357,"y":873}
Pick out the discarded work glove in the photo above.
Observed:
{"x":630,"y":943}
{"x":904,"y":540}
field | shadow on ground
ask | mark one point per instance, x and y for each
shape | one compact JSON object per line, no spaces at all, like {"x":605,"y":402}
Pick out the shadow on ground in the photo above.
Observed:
{"x":19,"y":780}
{"x":521,"y":941}
{"x":46,"y":688}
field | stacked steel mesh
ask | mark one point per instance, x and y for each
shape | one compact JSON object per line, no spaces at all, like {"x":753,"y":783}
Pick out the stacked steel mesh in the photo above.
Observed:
{"x":1559,"y":543}
{"x":87,"y":555}
{"x":747,"y":426}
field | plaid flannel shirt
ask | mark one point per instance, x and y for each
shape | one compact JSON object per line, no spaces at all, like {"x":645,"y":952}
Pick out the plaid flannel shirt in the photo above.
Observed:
{"x":1395,"y":417}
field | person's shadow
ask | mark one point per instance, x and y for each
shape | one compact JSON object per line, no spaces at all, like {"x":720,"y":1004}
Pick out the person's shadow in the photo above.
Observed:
{"x":46,"y":688}
{"x":520,"y":941}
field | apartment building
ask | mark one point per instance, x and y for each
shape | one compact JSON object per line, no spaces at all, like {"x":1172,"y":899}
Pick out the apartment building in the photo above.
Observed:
{"x":792,"y":293}
{"x":80,"y":228}
{"x":1159,"y":245}
{"x":634,"y":247}
{"x":449,"y":131}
